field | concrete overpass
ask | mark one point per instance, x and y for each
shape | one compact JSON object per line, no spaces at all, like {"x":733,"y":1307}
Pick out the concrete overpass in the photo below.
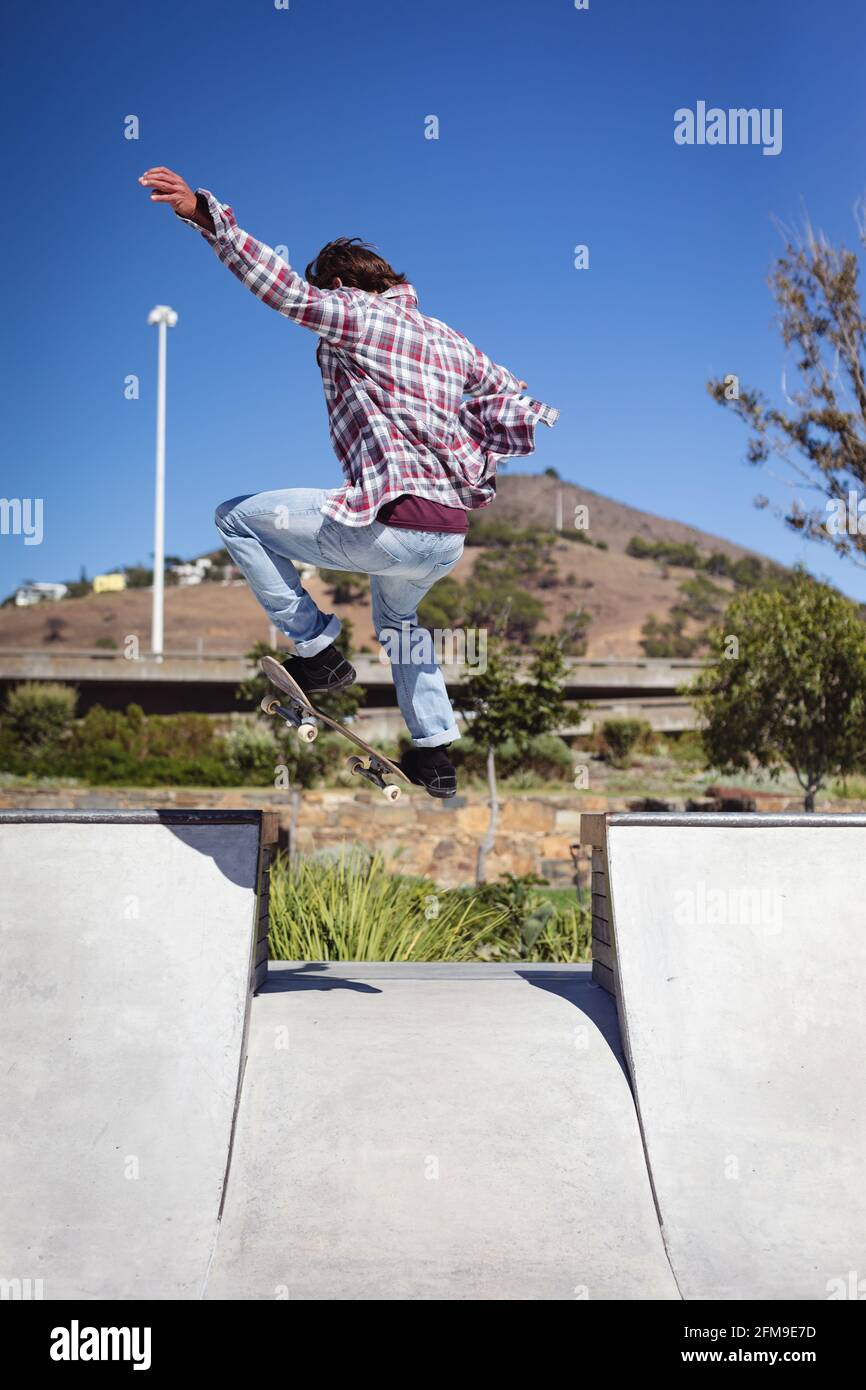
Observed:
{"x":644,"y":688}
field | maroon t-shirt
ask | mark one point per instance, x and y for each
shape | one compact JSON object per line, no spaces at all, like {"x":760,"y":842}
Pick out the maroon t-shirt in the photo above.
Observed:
{"x":417,"y":514}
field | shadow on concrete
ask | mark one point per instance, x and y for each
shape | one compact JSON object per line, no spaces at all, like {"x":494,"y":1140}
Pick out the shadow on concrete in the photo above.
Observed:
{"x":203,"y":832}
{"x":282,"y":980}
{"x":589,"y":999}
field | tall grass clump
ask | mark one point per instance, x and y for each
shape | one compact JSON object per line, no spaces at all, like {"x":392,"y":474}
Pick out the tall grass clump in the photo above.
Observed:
{"x":354,"y":909}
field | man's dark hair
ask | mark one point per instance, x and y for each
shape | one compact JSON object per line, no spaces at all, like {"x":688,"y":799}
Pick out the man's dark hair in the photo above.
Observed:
{"x":356,"y":263}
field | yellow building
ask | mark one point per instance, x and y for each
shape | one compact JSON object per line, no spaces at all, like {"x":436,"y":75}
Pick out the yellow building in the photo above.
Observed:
{"x":109,"y":583}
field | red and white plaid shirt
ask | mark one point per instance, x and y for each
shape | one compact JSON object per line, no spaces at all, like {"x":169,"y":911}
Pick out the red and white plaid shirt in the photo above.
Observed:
{"x":394,"y":384}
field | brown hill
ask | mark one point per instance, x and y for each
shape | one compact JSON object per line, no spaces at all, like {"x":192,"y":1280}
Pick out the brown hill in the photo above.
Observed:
{"x":529,"y":500}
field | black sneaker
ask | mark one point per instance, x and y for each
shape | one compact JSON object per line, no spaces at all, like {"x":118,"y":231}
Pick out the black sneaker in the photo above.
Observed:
{"x":327,"y":670}
{"x":432,"y":769}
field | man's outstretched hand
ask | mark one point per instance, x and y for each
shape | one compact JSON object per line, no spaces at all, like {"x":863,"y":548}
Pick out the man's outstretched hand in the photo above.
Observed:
{"x":169,"y":188}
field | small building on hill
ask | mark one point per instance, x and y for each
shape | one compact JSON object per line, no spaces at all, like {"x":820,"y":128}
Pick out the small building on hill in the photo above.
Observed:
{"x":109,"y":583}
{"x":29,"y":594}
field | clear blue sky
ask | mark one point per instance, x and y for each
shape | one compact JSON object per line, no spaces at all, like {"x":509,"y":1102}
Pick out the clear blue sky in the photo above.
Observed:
{"x":556,"y":128}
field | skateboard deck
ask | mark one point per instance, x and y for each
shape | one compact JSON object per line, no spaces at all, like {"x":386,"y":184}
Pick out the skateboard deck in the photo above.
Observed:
{"x":301,"y":714}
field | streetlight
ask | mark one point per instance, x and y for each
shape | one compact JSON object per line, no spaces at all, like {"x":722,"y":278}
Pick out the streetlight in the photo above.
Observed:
{"x":164,"y":317}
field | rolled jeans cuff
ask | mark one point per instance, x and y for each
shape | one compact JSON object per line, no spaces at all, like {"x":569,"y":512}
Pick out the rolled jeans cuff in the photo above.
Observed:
{"x":449,"y":736}
{"x":318,"y":644}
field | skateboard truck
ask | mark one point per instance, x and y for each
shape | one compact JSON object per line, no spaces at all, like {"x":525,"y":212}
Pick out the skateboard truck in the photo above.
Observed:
{"x":374,"y":772}
{"x":306,"y":728}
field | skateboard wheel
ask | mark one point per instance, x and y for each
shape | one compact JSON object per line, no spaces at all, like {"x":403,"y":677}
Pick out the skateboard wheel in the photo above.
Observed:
{"x":354,"y":763}
{"x":391,"y":793}
{"x":307,"y":732}
{"x":269,"y":704}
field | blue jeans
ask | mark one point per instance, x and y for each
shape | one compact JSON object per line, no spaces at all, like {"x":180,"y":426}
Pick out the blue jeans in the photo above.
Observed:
{"x":265,"y":532}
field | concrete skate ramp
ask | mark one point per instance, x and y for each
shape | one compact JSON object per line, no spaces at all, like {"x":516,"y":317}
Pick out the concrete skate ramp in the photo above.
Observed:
{"x":127,"y":943}
{"x":437,"y":1131}
{"x":739,"y":951}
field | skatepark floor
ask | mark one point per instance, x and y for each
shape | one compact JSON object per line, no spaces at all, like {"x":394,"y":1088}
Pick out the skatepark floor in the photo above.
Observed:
{"x":437,"y":1131}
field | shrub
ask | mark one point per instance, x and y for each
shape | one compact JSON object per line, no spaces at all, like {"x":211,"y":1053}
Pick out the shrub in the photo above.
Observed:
{"x":747,"y":572}
{"x":577,"y":535}
{"x":677,"y":553}
{"x":485,"y":531}
{"x":546,"y":757}
{"x":137,"y":577}
{"x":116,"y":747}
{"x":669,"y":639}
{"x":39,"y":713}
{"x":528,"y":560}
{"x":251,"y":750}
{"x":573,"y":632}
{"x":686,"y":749}
{"x":700,"y":598}
{"x":849,"y":788}
{"x":620,"y":738}
{"x":254,"y":752}
{"x":539,"y":925}
{"x":308,"y":763}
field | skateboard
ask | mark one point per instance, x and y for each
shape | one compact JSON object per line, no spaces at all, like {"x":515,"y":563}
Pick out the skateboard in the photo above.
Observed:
{"x":299,"y":713}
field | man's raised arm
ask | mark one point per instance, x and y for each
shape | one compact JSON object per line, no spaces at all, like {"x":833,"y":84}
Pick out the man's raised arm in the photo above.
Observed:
{"x":485,"y":377}
{"x":336,"y":315}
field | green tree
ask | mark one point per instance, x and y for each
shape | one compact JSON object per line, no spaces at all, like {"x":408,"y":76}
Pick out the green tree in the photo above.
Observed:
{"x":668,"y":639}
{"x":620,"y":738}
{"x":504,"y":606}
{"x":820,"y":433}
{"x":138,"y":577}
{"x":700,"y":598}
{"x":573,"y":634}
{"x":792,"y":690}
{"x":505,"y":708}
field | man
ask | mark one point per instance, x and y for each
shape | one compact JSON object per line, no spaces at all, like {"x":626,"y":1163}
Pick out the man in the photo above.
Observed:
{"x":416,"y":457}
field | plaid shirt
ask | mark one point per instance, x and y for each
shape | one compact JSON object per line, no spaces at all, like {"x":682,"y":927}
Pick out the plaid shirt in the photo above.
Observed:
{"x":394,"y":384}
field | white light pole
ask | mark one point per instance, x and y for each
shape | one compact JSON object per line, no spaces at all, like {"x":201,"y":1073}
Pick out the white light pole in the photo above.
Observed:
{"x":164,"y":318}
